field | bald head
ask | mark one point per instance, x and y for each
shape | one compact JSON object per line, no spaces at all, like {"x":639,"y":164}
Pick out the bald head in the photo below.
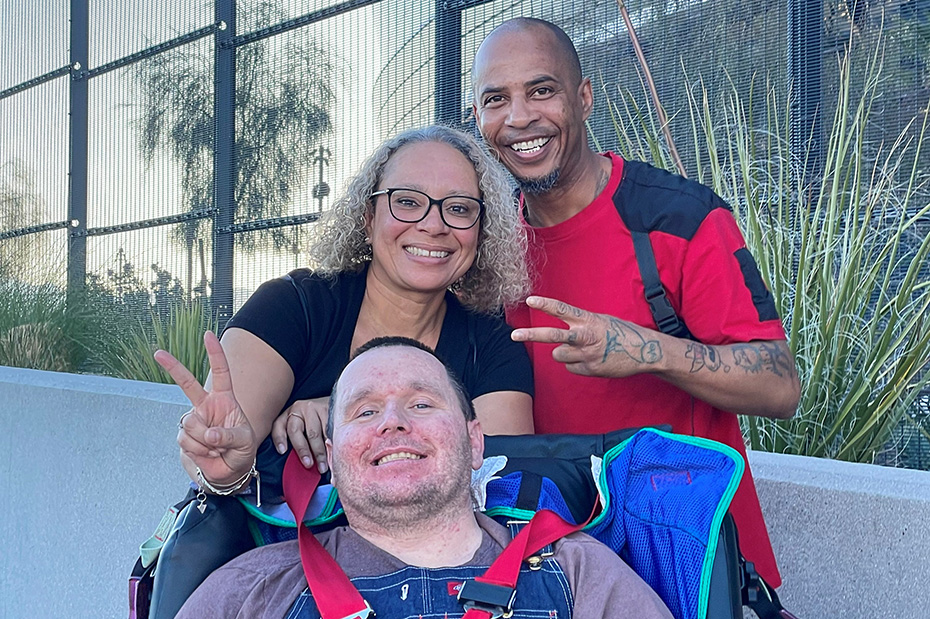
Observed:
{"x":550,"y":36}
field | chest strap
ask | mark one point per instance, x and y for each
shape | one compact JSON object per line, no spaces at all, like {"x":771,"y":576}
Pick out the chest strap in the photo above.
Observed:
{"x":491,"y":595}
{"x":488,"y":596}
{"x":663,"y":313}
{"x":335,"y":595}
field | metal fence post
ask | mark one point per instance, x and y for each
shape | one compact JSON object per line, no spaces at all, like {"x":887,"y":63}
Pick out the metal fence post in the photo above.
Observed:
{"x":448,"y":55}
{"x":77,"y":155}
{"x":224,"y":160}
{"x":805,"y":75}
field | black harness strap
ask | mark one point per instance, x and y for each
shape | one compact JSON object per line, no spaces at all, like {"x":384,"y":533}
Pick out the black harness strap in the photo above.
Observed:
{"x":662,"y":311}
{"x":759,"y":596}
{"x":631,"y":192}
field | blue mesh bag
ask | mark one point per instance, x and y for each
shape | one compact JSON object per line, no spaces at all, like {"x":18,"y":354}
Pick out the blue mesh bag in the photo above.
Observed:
{"x":663,"y":499}
{"x":505,"y":494}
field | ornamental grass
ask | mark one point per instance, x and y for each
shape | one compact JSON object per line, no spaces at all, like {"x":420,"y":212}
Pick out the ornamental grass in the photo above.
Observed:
{"x":181,"y":334}
{"x":844,"y":250}
{"x":38,"y":330}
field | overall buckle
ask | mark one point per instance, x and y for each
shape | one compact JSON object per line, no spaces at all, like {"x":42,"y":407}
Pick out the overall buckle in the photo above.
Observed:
{"x":496,"y":600}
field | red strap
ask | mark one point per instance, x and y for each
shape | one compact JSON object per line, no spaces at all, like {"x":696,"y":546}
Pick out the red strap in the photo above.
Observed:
{"x":545,"y":528}
{"x":335,"y":595}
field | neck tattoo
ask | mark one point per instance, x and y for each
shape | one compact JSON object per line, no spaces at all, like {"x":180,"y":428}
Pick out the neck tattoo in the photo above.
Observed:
{"x":602,"y":177}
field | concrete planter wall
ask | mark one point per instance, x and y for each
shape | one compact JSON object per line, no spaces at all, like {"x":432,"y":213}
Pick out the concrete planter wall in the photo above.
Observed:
{"x":852,"y":540}
{"x":89,"y":465}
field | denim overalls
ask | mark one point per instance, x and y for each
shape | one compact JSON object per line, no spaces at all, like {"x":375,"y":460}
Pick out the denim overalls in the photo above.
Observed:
{"x":421,"y":593}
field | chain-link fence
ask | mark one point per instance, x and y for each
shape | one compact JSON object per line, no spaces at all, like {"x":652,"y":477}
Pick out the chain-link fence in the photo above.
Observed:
{"x":162,"y":151}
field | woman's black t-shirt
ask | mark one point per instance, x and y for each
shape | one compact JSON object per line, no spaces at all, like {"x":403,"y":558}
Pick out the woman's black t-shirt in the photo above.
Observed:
{"x":309,"y":320}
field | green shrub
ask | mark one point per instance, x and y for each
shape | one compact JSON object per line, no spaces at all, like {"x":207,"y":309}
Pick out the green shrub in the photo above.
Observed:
{"x":39,"y":330}
{"x":181,"y":334}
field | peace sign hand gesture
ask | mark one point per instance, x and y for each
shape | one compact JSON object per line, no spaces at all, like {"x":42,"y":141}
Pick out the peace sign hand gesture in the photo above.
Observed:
{"x":595,"y":344}
{"x":215,"y":434}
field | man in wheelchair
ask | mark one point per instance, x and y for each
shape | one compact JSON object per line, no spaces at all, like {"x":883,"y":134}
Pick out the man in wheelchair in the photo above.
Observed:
{"x":403,"y":441}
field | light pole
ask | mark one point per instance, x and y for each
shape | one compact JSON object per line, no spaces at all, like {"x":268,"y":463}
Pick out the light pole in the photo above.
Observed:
{"x":321,"y":189}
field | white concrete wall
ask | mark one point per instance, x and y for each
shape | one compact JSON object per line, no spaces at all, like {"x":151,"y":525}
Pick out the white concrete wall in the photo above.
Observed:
{"x":89,"y":465}
{"x":852,"y":540}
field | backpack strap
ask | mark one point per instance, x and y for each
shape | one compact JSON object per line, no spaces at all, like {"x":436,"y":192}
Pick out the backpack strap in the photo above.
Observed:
{"x":661,"y":308}
{"x":664,"y":315}
{"x":759,"y":596}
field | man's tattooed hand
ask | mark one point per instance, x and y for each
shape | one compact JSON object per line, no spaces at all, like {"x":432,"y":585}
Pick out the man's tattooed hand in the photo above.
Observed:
{"x":621,"y":337}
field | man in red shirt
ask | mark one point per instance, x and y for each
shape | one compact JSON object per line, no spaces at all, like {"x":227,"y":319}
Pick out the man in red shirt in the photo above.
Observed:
{"x":599,"y":360}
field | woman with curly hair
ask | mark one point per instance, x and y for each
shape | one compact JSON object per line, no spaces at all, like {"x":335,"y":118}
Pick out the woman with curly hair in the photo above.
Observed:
{"x":394,"y":259}
{"x":386,"y":263}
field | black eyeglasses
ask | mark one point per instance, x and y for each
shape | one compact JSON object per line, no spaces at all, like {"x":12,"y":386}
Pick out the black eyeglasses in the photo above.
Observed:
{"x":411,"y":206}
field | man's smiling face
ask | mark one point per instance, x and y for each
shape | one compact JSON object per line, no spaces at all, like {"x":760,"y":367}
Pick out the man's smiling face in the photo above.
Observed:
{"x":531,"y":105}
{"x":400,"y":443}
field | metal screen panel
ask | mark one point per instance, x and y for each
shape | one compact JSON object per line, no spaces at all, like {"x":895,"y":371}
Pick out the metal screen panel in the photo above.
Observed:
{"x":119,"y":29}
{"x":34,"y":181}
{"x":404,"y":87}
{"x":35,"y":36}
{"x":134,"y":264}
{"x":135,"y":170}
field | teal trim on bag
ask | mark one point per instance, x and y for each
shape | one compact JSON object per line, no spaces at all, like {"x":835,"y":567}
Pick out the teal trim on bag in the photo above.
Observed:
{"x":254,"y":511}
{"x":514,"y":513}
{"x":329,"y":510}
{"x":257,"y":536}
{"x":719,"y":512}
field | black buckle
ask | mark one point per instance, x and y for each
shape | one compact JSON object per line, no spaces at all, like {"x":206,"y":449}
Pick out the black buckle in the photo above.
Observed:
{"x":497,"y":600}
{"x":663,"y":312}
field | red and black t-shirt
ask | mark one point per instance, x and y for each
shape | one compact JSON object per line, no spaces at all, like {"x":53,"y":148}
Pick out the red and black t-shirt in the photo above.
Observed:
{"x":711,"y":280}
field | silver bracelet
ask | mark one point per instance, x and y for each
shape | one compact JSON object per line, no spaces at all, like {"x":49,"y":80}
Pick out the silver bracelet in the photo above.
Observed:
{"x":228,"y":489}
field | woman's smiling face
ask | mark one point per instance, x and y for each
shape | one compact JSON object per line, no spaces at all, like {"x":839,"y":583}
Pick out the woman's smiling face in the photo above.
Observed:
{"x":426,"y":256}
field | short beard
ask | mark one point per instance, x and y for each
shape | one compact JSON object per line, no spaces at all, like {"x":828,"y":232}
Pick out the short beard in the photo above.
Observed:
{"x":366,"y":505}
{"x":387,"y":513}
{"x":536,"y":186}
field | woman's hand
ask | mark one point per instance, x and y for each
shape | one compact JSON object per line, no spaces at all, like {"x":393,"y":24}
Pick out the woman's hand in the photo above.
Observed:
{"x":303,"y":422}
{"x":215,"y":434}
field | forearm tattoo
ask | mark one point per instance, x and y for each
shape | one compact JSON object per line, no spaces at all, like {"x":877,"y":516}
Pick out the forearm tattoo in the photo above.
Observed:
{"x":705,"y":358}
{"x":764,"y":357}
{"x":621,"y":338}
{"x":751,"y":358}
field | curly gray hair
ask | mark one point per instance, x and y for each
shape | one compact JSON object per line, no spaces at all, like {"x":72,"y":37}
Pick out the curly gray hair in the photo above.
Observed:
{"x":499,"y":274}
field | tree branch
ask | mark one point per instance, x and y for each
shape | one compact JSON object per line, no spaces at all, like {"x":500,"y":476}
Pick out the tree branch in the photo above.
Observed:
{"x":660,"y":111}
